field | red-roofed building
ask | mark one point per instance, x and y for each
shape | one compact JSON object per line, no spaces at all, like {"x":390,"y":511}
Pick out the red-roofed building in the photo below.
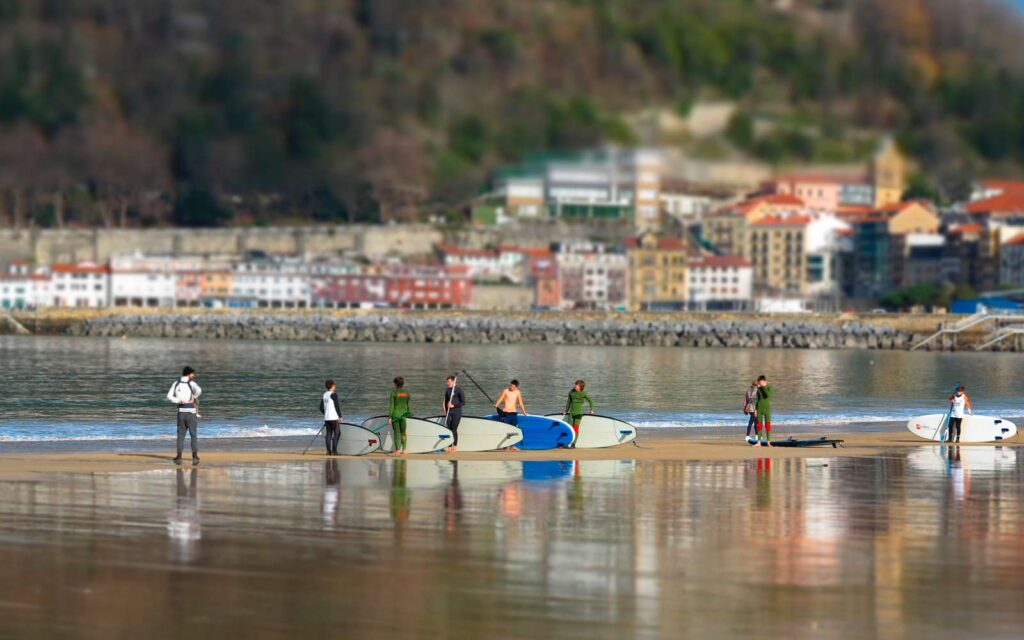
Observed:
{"x":822,"y":192}
{"x":507,"y":262}
{"x":796,"y":254}
{"x":727,"y":229}
{"x":1003,"y":204}
{"x":80,"y":285}
{"x":22,"y":287}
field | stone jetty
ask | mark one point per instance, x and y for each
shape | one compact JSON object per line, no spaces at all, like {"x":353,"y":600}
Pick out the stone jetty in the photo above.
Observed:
{"x":612,"y":330}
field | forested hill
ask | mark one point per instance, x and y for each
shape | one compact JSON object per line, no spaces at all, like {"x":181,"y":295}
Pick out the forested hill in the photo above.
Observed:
{"x":211,"y":111}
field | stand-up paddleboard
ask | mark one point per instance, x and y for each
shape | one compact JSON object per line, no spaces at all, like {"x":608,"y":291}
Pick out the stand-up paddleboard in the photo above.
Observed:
{"x":601,"y":431}
{"x":541,"y":432}
{"x":481,"y":434}
{"x":357,"y":441}
{"x":973,"y":428}
{"x":793,"y":442}
{"x":422,"y":436}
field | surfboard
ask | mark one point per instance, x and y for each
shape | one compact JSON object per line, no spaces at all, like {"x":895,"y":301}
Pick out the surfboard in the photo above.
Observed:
{"x":542,"y":432}
{"x":357,"y":441}
{"x":422,"y":436}
{"x":481,"y":434}
{"x":973,"y":429}
{"x":793,"y":442}
{"x":601,"y":431}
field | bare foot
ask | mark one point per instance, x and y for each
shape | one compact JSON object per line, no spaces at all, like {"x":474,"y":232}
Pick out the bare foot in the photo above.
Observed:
{"x":768,"y":444}
{"x":454,"y":449}
{"x":757,"y":444}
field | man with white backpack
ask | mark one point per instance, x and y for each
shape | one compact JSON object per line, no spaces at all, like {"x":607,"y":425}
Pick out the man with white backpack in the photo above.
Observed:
{"x":185,"y":393}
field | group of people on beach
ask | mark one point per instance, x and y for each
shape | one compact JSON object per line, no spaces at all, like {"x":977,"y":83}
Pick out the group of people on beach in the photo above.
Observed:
{"x":185,"y":393}
{"x":507,"y":406}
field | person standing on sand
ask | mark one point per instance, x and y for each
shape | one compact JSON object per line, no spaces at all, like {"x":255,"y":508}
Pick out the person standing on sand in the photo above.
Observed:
{"x":764,"y":411}
{"x":959,"y":402}
{"x":399,"y":408}
{"x":574,"y":406}
{"x":750,"y":409}
{"x":330,"y":406}
{"x":510,"y":399}
{"x":454,"y":399}
{"x":185,"y":393}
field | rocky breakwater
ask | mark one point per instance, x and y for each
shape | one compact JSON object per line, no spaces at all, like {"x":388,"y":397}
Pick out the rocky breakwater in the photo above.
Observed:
{"x":611,"y":331}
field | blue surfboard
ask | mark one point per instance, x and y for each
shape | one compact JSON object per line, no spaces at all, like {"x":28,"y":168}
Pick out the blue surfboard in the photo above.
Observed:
{"x":540,"y":432}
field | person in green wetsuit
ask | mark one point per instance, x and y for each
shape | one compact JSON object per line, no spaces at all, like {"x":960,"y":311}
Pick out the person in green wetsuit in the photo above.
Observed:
{"x":574,"y":405}
{"x":399,"y":408}
{"x":764,"y":411}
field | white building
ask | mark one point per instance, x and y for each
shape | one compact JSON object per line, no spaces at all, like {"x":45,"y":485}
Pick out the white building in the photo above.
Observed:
{"x":592,"y":277}
{"x":80,"y":285}
{"x":687,"y":208}
{"x":272,"y":282}
{"x":154,"y":281}
{"x":22,"y":287}
{"x":719,"y":282}
{"x":824,"y":239}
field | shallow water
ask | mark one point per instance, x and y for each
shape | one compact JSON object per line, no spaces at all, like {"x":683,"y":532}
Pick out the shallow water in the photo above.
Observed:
{"x":925,"y":544}
{"x":89,"y":389}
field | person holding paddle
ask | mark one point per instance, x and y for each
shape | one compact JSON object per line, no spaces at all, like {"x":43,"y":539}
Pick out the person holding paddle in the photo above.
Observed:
{"x":454,"y":399}
{"x":958,"y":403}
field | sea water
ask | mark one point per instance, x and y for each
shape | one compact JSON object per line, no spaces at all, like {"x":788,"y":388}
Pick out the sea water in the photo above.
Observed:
{"x":95,"y":390}
{"x":912,"y":544}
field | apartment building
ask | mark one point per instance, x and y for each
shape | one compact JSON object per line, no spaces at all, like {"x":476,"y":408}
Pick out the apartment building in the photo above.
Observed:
{"x":592,"y":277}
{"x":657,"y":267}
{"x":719,"y":283}
{"x":80,"y":285}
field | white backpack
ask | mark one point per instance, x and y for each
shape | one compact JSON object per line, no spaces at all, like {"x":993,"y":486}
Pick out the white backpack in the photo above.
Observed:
{"x":183,"y":392}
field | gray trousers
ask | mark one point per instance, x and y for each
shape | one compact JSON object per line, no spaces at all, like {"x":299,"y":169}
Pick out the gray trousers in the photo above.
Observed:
{"x":187,"y":422}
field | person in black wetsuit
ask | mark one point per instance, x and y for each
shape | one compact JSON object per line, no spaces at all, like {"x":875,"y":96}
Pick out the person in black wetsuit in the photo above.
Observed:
{"x":454,"y":399}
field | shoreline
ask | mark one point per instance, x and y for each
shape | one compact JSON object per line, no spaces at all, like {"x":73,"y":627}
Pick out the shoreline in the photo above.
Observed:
{"x":33,"y":465}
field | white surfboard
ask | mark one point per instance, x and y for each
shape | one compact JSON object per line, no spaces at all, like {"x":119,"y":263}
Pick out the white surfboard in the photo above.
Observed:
{"x":357,"y":441}
{"x":422,"y":436}
{"x":974,"y":428}
{"x":601,"y":431}
{"x":481,"y":434}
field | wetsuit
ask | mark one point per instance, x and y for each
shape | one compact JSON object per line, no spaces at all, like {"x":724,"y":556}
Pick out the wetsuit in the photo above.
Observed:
{"x":399,"y":408}
{"x":454,"y":396}
{"x":330,"y":406}
{"x":764,"y":411}
{"x":574,"y":407}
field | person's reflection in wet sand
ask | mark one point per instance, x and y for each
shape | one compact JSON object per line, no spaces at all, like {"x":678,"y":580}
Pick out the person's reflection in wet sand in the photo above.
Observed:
{"x":183,"y":525}
{"x":764,"y":482}
{"x":958,"y":476}
{"x":453,"y":501}
{"x":332,"y":478}
{"x":401,"y":501}
{"x":575,"y":502}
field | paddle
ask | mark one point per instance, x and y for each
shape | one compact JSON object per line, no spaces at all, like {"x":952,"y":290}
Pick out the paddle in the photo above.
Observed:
{"x":491,"y":400}
{"x":344,"y":400}
{"x":945,"y":420}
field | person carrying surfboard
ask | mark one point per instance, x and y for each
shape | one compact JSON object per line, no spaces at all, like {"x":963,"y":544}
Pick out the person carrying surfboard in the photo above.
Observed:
{"x":958,"y":403}
{"x":330,"y":407}
{"x":454,"y":399}
{"x":764,"y":411}
{"x":574,"y":405}
{"x":510,"y":399}
{"x":399,"y":408}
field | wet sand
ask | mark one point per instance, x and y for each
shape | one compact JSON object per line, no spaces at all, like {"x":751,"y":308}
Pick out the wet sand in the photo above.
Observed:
{"x":650,"y":447}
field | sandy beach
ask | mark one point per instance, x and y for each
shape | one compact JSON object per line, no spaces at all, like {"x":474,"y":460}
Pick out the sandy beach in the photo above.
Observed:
{"x":26,"y":465}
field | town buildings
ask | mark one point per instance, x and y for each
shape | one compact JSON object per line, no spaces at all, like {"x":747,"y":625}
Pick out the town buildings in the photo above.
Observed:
{"x":719,"y":283}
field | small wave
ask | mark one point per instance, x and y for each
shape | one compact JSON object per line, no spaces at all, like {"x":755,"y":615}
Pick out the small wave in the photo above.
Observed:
{"x":264,"y":431}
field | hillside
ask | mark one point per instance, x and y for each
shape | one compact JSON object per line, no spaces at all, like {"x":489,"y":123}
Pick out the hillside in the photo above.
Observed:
{"x":146,"y":112}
